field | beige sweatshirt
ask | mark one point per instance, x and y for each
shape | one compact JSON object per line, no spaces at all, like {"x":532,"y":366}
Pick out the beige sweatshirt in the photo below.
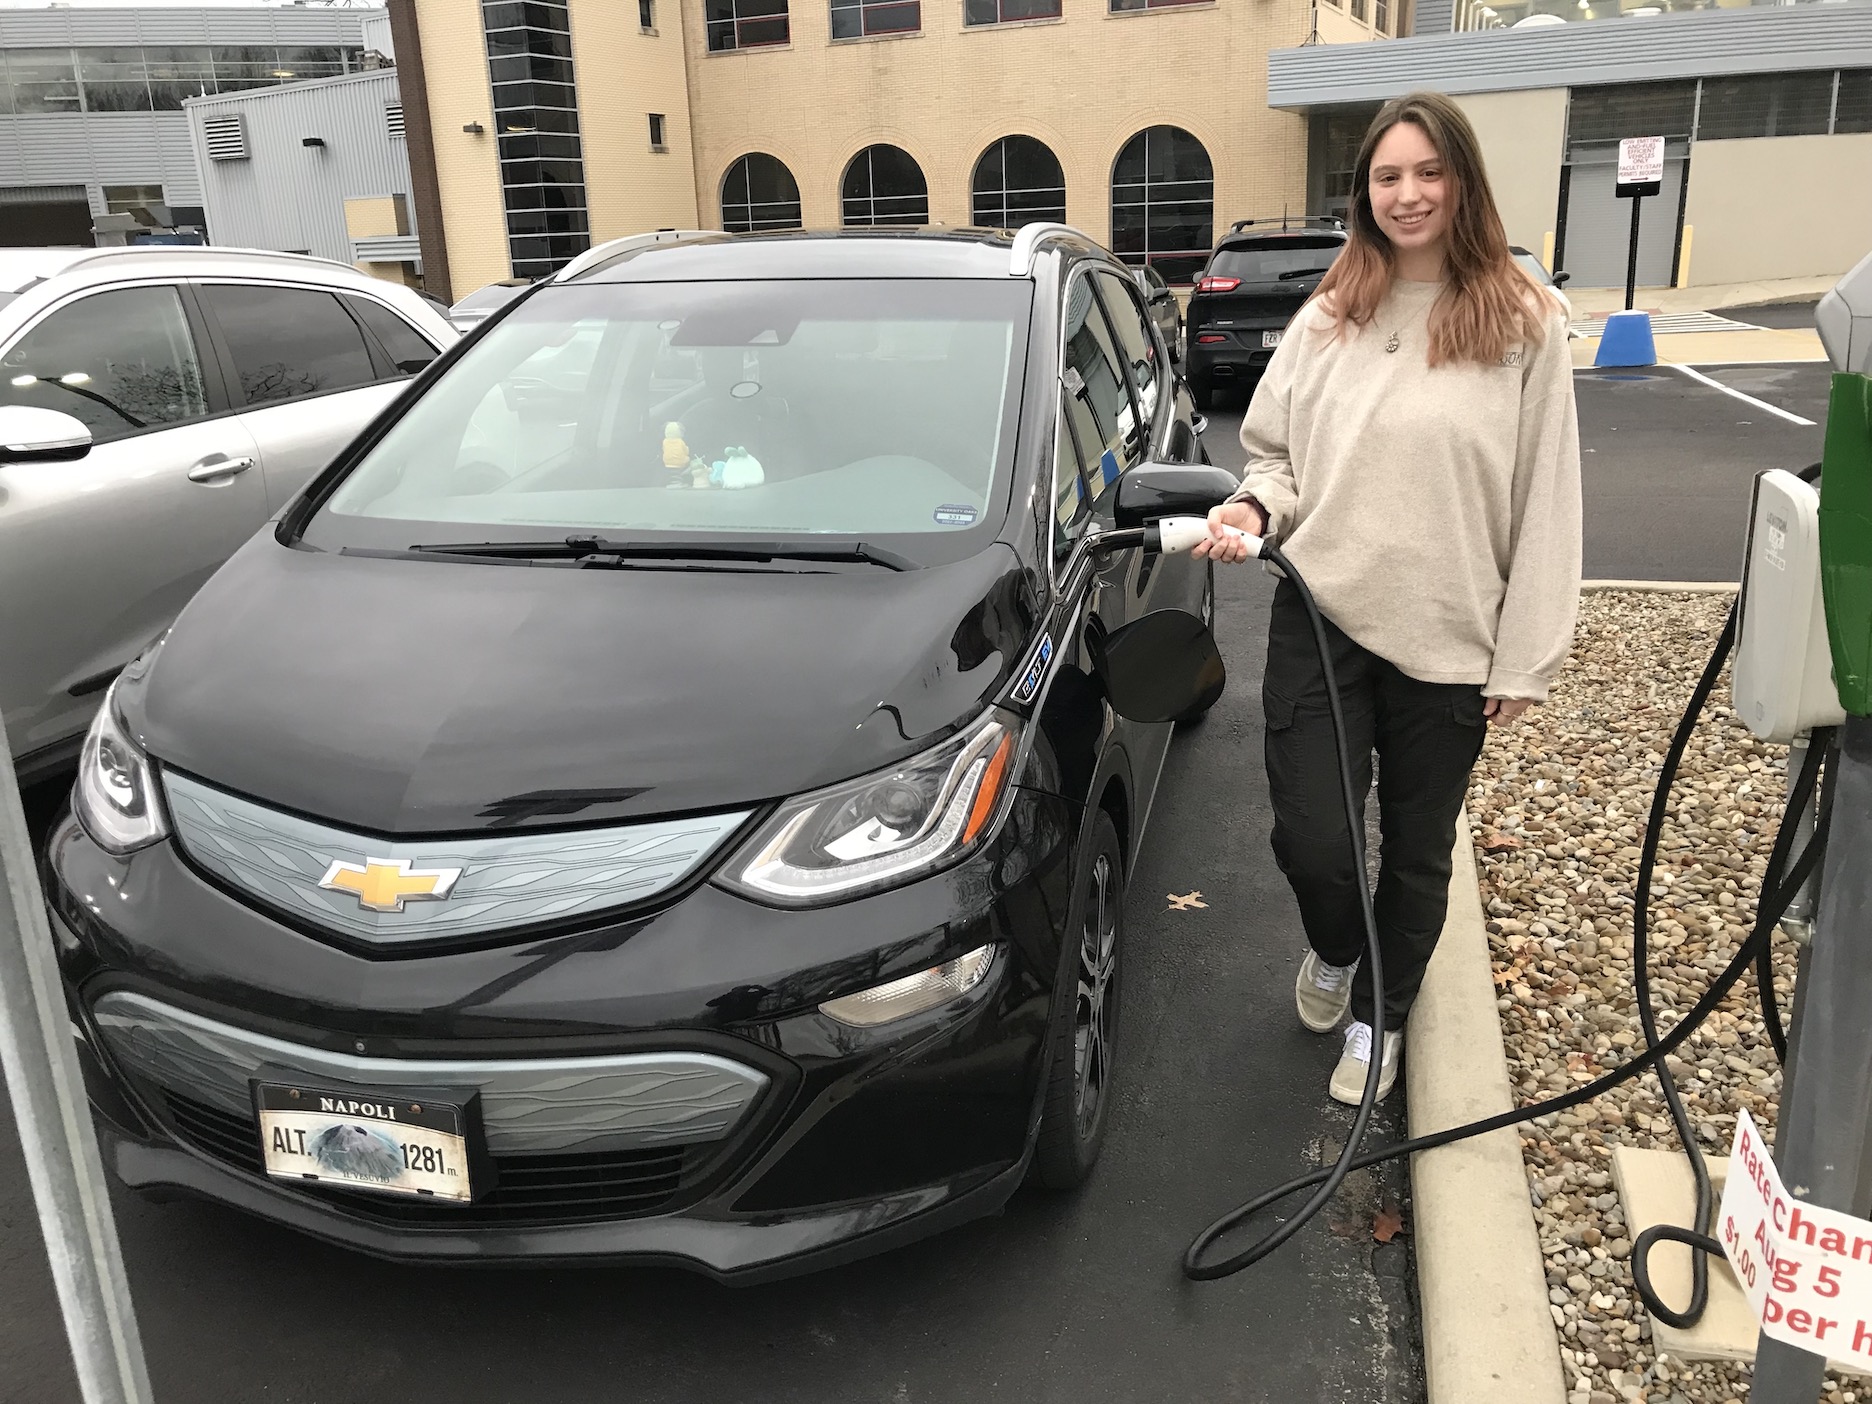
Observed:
{"x":1434,"y":512}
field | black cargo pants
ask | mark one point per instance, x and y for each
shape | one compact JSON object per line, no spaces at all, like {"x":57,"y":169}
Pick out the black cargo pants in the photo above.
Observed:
{"x":1427,"y":736}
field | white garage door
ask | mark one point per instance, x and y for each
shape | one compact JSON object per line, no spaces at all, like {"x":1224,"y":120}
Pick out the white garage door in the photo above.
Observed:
{"x":1598,"y":227}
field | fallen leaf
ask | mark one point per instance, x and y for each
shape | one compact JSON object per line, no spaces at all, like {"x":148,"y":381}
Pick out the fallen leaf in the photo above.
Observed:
{"x":1500,"y":843}
{"x":1388,"y":1222}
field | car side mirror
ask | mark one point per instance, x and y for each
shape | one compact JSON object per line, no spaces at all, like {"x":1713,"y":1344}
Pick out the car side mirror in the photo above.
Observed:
{"x":1560,"y":279}
{"x":1170,"y":490}
{"x":1160,"y":667}
{"x":32,"y":434}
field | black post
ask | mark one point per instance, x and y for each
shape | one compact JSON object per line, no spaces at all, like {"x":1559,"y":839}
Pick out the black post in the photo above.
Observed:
{"x":1820,"y":1140}
{"x":1631,"y":262}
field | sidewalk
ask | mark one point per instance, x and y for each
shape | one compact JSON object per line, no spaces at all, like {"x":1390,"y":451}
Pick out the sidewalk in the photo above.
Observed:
{"x":1693,"y":342}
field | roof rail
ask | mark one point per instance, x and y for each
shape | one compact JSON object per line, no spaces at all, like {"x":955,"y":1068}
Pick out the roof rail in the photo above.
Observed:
{"x":1287,"y":221}
{"x":1028,"y":239}
{"x":599,"y":253}
{"x":211,"y":250}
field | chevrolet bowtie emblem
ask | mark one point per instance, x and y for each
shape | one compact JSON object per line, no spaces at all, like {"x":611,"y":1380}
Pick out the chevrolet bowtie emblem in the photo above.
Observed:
{"x":385,"y":884}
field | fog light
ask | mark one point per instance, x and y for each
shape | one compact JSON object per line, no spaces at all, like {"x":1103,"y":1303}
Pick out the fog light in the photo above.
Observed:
{"x":914,"y":993}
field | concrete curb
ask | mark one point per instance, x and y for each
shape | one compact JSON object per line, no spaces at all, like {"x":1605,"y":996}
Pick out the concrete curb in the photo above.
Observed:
{"x":1663,"y":587}
{"x":1488,"y":1333}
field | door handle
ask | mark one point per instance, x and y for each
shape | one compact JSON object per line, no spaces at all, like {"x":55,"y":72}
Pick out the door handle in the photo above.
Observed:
{"x":210,"y":469}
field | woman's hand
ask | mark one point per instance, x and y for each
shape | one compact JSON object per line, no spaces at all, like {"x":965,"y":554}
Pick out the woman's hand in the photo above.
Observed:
{"x":1503,"y":711}
{"x":1246,"y":516}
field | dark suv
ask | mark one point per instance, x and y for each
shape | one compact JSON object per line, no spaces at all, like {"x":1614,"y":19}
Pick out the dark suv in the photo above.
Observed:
{"x":1261,"y":273}
{"x":658,"y":794}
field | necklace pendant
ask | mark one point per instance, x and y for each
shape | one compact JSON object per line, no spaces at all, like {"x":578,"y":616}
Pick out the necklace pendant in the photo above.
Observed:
{"x":1392,"y":344}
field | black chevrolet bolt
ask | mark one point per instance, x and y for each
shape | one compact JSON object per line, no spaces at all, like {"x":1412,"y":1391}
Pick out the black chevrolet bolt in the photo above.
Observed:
{"x":663,"y":793}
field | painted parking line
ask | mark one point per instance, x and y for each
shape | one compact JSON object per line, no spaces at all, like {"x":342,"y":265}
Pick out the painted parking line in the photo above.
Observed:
{"x":1788,"y":415}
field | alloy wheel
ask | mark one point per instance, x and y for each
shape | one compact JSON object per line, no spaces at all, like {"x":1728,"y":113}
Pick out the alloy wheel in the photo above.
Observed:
{"x":1095,"y":1015}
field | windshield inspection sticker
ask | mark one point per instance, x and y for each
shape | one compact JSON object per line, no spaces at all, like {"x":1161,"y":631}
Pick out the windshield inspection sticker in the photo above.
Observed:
{"x":956,"y":514}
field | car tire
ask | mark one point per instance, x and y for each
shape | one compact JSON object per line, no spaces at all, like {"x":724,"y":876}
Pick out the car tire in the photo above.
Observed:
{"x":1206,"y":611}
{"x":1083,"y":1031}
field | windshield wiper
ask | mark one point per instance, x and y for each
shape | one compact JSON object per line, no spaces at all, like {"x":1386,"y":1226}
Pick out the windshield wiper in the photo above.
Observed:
{"x":1299,"y":273}
{"x":597,"y":551}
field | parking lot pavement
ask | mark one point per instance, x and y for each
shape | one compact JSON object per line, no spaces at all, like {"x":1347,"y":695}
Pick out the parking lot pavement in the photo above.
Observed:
{"x":1667,"y":461}
{"x":1221,"y":1094}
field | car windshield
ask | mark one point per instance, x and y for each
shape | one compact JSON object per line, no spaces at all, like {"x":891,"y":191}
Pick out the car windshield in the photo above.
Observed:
{"x":670,"y":411}
{"x":1268,"y":262}
{"x":1534,"y":266}
{"x":492,"y":296}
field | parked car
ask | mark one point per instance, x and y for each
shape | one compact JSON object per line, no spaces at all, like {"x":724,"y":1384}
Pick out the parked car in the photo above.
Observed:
{"x":1537,"y":270}
{"x":740,"y":884}
{"x":157,"y":405}
{"x":1261,"y":273}
{"x":1162,"y":302}
{"x":483,"y":303}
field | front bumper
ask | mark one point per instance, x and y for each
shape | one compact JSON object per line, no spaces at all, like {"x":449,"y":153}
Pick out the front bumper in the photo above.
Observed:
{"x":809,"y":1141}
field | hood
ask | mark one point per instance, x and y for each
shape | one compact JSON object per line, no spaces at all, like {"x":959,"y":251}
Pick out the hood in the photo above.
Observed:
{"x":422,"y":697}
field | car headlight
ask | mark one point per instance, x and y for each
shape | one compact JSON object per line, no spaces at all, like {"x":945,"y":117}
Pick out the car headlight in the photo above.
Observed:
{"x":115,"y":797}
{"x":886,"y":828}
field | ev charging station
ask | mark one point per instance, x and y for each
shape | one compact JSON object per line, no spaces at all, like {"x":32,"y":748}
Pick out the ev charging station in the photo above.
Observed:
{"x":1804,"y":661}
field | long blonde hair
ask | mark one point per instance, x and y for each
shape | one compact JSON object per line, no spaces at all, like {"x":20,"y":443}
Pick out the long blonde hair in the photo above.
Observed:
{"x":1490,"y":302}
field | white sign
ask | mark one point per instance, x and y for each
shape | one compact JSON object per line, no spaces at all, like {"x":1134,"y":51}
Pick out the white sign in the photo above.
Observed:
{"x":1640,"y":160}
{"x":1807,"y":1271}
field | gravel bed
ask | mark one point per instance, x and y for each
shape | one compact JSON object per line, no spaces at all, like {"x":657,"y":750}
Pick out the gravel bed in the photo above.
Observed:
{"x":1558,"y":810}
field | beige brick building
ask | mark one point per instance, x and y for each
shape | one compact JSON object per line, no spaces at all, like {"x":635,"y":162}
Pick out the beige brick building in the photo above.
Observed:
{"x":545,"y":127}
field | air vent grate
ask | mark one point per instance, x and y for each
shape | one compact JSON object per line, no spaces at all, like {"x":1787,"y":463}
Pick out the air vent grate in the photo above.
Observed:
{"x":393,"y":120}
{"x":226,"y":137}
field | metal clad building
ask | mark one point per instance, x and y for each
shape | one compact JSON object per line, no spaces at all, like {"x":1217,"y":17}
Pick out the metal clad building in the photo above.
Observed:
{"x":1766,"y":112}
{"x":91,"y":117}
{"x":319,"y":168}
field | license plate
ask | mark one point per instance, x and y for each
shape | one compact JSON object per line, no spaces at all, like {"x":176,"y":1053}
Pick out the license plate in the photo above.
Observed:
{"x":391,"y":1143}
{"x":1269,"y":340}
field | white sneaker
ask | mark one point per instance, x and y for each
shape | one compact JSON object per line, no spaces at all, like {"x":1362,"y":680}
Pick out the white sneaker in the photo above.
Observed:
{"x":1322,"y":992}
{"x":1348,"y":1079}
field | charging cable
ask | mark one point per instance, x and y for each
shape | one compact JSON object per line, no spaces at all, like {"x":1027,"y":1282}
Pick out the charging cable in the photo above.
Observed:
{"x":1176,"y":535}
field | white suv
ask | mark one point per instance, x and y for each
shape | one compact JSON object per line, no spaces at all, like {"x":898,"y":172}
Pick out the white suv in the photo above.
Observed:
{"x":157,"y":407}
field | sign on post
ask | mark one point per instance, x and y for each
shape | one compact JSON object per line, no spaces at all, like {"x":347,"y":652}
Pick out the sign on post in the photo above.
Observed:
{"x":1640,"y":173}
{"x":1807,"y":1271}
{"x":1640,"y":165}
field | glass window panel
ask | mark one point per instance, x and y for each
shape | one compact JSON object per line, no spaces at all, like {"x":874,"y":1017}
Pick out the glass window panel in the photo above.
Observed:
{"x":537,"y":119}
{"x":298,"y":64}
{"x":526,"y":16}
{"x":120,"y":361}
{"x":543,"y":172}
{"x":1854,"y":110}
{"x":1163,"y":206}
{"x":570,"y":222}
{"x":758,"y":193}
{"x":1764,"y":105}
{"x":1631,"y":109}
{"x":521,"y":68}
{"x":177,"y":74}
{"x":1135,"y":339}
{"x":507,"y":42}
{"x":407,"y":348}
{"x":1096,"y":394}
{"x":1018,"y":180}
{"x":288,"y":342}
{"x":42,"y":80}
{"x":113,"y":80}
{"x":541,"y":146}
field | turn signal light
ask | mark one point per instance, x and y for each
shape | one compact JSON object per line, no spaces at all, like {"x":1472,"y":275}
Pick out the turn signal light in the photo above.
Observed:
{"x":913,"y":994}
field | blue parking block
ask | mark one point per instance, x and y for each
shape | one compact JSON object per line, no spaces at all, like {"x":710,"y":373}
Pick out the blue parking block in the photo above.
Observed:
{"x":1627,"y":341}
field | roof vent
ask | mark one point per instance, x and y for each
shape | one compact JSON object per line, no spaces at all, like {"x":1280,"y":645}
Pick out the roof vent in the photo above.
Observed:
{"x":226,"y":137}
{"x":393,"y":120}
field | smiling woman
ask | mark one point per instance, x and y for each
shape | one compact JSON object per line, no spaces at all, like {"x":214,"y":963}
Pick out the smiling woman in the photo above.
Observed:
{"x":849,"y":407}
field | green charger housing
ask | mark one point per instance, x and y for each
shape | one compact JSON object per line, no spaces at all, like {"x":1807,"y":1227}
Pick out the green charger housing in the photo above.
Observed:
{"x":1846,"y":538}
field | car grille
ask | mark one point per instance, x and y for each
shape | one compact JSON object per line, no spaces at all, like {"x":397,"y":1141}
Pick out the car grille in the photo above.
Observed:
{"x":532,"y":1189}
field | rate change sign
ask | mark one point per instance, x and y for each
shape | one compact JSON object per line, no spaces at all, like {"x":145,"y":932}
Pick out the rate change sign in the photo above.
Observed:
{"x":1807,"y":1271}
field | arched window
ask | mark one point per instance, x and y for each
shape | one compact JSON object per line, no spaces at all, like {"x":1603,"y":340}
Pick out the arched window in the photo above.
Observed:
{"x":1017,"y":181}
{"x":1163,"y":202}
{"x":884,"y":185}
{"x":758,"y":193}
